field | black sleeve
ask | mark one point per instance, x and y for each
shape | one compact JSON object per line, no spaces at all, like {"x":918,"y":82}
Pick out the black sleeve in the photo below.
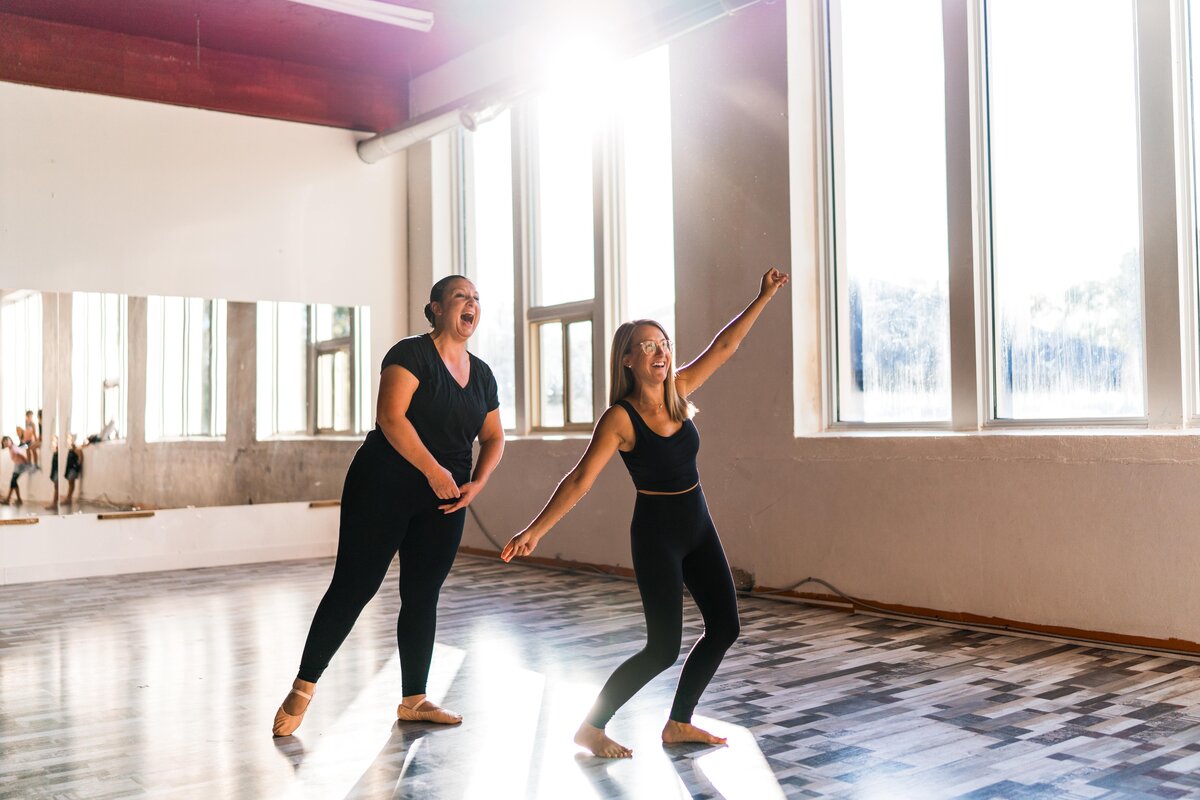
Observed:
{"x":406,"y":353}
{"x":491,"y":394}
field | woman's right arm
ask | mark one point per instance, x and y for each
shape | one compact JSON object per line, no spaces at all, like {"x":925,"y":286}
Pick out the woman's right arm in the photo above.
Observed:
{"x":605,"y":441}
{"x":396,"y":388}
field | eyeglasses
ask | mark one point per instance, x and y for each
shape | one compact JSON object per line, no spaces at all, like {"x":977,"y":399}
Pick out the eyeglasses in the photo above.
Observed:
{"x":650,"y":346}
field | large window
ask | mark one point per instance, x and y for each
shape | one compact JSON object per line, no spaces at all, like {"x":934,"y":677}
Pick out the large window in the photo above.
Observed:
{"x":893,"y":335}
{"x":20,"y":358}
{"x":185,"y":367}
{"x":313,"y":369}
{"x":1063,"y":164}
{"x":1035,"y":175}
{"x":99,"y":365}
{"x":590,"y":180}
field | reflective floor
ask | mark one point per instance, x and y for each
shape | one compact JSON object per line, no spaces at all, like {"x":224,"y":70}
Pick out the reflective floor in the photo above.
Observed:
{"x":164,"y":685}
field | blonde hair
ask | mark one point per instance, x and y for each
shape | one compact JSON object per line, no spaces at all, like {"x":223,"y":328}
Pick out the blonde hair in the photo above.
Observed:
{"x":622,"y":383}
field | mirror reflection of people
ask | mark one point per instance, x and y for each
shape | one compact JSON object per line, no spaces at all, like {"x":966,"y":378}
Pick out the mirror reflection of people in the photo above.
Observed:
{"x":104,"y":435}
{"x":673,"y":540}
{"x":29,"y":438}
{"x":72,"y":473}
{"x":407,"y":490}
{"x":21,"y":465}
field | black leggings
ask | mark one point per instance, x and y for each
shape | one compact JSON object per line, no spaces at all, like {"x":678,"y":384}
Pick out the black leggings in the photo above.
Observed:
{"x":674,"y":545}
{"x":387,"y":506}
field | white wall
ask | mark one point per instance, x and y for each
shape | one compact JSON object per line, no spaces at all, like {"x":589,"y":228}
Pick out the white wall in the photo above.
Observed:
{"x":82,"y":545}
{"x":116,"y":195}
{"x":108,"y":194}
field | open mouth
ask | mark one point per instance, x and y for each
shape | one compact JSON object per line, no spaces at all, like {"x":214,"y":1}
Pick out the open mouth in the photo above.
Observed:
{"x":468,"y":318}
{"x":659,"y":364}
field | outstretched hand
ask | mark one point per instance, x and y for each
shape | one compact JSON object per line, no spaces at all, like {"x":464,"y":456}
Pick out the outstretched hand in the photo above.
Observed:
{"x":520,"y":545}
{"x":772,"y":281}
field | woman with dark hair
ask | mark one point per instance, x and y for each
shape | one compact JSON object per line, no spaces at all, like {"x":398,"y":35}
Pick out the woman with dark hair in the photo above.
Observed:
{"x":673,"y":540}
{"x":407,"y":491}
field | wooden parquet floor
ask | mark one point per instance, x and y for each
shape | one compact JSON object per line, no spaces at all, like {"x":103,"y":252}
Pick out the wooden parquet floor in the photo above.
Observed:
{"x":163,"y":685}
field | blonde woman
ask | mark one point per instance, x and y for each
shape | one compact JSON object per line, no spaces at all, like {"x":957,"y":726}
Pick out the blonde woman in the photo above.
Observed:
{"x":674,"y":543}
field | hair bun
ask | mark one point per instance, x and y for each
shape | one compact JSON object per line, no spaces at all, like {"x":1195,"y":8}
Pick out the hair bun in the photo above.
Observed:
{"x":429,"y":312}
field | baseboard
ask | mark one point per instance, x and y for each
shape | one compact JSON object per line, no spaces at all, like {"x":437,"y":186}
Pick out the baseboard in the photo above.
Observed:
{"x":966,"y":619}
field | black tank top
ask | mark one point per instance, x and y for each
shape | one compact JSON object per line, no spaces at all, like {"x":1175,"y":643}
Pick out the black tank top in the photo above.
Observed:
{"x":661,"y":463}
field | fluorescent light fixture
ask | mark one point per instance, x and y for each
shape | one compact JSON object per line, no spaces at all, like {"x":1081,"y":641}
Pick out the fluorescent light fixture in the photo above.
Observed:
{"x":414,"y":18}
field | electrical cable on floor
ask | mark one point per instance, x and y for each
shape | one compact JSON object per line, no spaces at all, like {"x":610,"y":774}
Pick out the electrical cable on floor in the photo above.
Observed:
{"x":487,"y":534}
{"x":857,"y":604}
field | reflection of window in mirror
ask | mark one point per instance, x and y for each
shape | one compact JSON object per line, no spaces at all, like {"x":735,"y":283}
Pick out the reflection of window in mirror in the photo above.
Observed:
{"x":185,"y":367}
{"x":313,"y":369}
{"x":99,"y":367}
{"x":20,"y":357}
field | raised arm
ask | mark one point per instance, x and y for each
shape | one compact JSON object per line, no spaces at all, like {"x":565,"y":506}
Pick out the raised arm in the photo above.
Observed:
{"x":491,"y":448}
{"x":396,"y":388}
{"x":692,"y":375}
{"x":606,"y":439}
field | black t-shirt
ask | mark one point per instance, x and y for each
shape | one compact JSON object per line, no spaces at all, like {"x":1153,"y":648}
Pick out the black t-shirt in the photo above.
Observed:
{"x":447,"y":416}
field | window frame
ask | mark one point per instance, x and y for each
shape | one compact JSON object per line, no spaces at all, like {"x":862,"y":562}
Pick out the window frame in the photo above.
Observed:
{"x":353,"y":344}
{"x":218,"y":379}
{"x":34,"y":350}
{"x":602,"y":310}
{"x":1172,"y":398}
{"x":325,"y":347}
{"x":121,"y":431}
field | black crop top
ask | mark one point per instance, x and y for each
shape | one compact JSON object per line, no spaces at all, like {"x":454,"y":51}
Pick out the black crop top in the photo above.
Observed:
{"x":447,"y":416}
{"x":661,"y":463}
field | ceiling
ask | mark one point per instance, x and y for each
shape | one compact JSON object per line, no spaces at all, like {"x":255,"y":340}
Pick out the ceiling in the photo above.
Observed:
{"x":271,"y":58}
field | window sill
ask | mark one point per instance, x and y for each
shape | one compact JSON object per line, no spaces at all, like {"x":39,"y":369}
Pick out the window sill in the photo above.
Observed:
{"x":1007,"y":430}
{"x":314,"y":437}
{"x":548,"y":436}
{"x":188,"y":440}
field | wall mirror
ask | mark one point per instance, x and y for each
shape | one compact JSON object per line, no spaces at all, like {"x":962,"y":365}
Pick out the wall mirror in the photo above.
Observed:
{"x":142,"y":403}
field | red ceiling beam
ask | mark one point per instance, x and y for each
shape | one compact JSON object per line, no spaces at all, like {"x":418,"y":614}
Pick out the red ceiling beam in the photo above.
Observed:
{"x":90,"y":60}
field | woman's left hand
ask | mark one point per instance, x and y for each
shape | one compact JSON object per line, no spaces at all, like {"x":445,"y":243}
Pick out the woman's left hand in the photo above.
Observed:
{"x":520,"y":545}
{"x":772,"y":281}
{"x":466,"y":493}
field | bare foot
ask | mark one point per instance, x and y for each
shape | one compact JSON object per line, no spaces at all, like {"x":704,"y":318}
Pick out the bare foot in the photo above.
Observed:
{"x":594,"y":739}
{"x":679,"y":732}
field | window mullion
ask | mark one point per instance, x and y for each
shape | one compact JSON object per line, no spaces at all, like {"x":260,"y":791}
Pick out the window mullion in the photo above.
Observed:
{"x":311,"y":401}
{"x":608,"y":308}
{"x":352,"y":354}
{"x":844,"y":403}
{"x":1185,"y":137}
{"x":524,"y":214}
{"x":1163,"y":308}
{"x":966,"y":408}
